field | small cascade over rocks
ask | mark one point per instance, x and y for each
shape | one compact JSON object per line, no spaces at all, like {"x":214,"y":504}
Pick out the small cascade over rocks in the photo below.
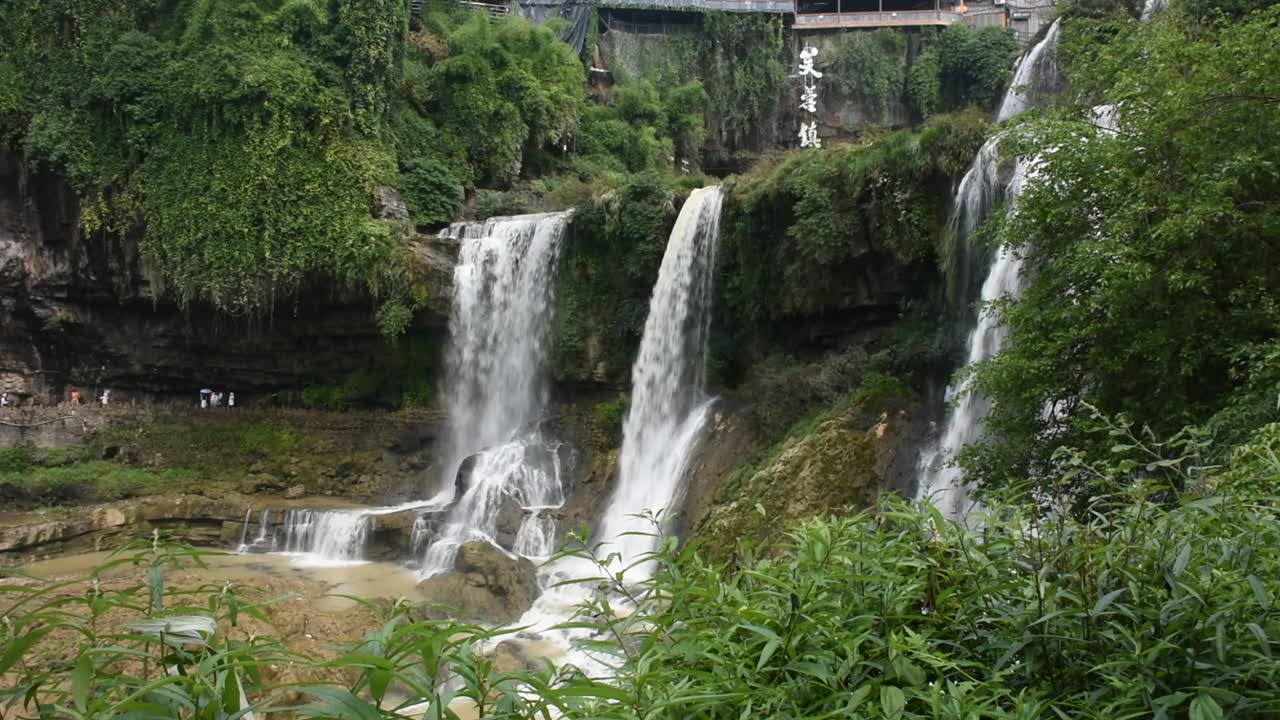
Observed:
{"x":519,"y":477}
{"x":496,"y":382}
{"x":1037,"y":76}
{"x":668,"y":402}
{"x":315,"y":537}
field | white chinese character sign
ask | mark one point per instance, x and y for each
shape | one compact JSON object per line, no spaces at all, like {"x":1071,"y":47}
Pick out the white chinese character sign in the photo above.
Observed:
{"x":809,"y":98}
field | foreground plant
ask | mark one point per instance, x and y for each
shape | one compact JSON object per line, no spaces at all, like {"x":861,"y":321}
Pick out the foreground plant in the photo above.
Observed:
{"x":1127,"y":603}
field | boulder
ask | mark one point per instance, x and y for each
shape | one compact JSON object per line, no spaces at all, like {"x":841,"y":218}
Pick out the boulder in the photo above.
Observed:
{"x":462,"y":480}
{"x":295,"y":492}
{"x":841,"y":463}
{"x":388,"y":205}
{"x":507,"y":525}
{"x":511,"y":656}
{"x":487,"y":585}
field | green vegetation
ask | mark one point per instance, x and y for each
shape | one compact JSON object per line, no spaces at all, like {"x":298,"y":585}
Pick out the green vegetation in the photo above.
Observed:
{"x":1140,"y":607}
{"x":870,"y":68}
{"x":609,"y":415}
{"x":957,"y":68}
{"x":800,"y":228}
{"x":1160,"y":235}
{"x":70,"y":476}
{"x":95,"y":481}
{"x":606,"y":275}
{"x":745,"y":71}
{"x":243,"y":141}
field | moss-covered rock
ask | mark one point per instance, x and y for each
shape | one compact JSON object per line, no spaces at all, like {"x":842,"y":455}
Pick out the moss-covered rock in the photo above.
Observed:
{"x":844,"y":461}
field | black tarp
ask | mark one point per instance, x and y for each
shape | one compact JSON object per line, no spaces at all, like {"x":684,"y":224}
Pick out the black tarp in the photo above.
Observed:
{"x":577,"y":13}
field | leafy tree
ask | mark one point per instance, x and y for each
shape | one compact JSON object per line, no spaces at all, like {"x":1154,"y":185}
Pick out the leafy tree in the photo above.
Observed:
{"x":506,"y":86}
{"x":431,"y":191}
{"x":1151,"y":282}
{"x":974,"y":64}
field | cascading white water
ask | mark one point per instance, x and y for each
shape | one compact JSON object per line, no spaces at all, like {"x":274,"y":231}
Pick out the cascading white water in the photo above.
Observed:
{"x":316,"y":537}
{"x":500,"y":328}
{"x":244,"y":532}
{"x":537,"y":535}
{"x":496,"y":378}
{"x":519,"y":474}
{"x":1034,"y":72}
{"x":668,"y":404}
{"x":1151,"y":8}
{"x":980,"y":191}
{"x":941,"y":481}
{"x":326,"y":537}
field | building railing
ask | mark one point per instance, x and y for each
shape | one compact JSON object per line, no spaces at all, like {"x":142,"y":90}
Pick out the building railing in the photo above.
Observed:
{"x":496,"y":11}
{"x":878,"y":19}
{"x":764,"y":6}
{"x":613,"y":24}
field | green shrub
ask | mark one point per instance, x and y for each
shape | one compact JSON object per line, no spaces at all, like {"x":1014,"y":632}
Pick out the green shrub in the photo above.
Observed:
{"x":324,"y":397}
{"x":17,"y":459}
{"x":924,"y":83}
{"x":430,"y":190}
{"x":66,"y":456}
{"x":609,"y":416}
{"x":975,"y":64}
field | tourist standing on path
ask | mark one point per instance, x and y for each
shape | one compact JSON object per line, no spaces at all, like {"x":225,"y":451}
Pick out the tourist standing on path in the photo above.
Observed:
{"x":231,"y":400}
{"x":4,"y":400}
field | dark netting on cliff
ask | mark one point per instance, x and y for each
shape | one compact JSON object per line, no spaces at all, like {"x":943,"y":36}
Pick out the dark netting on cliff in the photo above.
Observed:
{"x":577,"y":13}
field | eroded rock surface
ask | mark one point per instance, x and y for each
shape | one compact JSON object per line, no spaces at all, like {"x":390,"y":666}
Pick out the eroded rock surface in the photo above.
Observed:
{"x":84,"y":312}
{"x":843,"y":463}
{"x":487,"y":586}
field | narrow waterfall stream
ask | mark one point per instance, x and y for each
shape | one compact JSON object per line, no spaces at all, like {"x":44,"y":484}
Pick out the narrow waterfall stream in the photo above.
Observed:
{"x":668,"y":400}
{"x":941,"y":482}
{"x":1036,"y":74}
{"x":496,"y":387}
{"x":983,"y":189}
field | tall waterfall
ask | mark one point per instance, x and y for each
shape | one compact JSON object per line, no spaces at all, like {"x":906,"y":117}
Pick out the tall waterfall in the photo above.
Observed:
{"x":941,"y":482}
{"x":496,"y":381}
{"x":981,"y":190}
{"x":1036,"y":74}
{"x":500,"y":324}
{"x":668,"y":402}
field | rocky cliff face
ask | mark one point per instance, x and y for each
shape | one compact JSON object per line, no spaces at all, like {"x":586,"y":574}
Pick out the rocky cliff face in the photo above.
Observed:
{"x":80,"y":310}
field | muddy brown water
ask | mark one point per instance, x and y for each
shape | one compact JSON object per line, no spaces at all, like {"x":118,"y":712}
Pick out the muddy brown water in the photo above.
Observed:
{"x":368,"y":580}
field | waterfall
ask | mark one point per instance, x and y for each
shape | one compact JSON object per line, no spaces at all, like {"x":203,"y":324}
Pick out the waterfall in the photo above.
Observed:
{"x":315,"y":537}
{"x":1036,"y":72}
{"x":981,"y":190}
{"x":326,"y":537}
{"x":668,"y":404}
{"x":1151,"y":8}
{"x":500,"y":324}
{"x":941,"y":482}
{"x":496,"y":380}
{"x":244,"y":532}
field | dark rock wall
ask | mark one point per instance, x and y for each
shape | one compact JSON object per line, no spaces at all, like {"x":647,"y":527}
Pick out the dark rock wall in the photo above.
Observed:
{"x":80,"y":310}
